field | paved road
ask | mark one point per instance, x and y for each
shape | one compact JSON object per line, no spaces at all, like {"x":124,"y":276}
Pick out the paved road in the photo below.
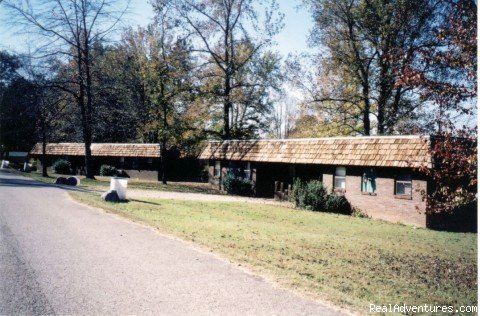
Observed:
{"x":60,"y":257}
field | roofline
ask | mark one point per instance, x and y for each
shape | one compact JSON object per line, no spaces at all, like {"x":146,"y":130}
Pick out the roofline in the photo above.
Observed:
{"x":81,"y":143}
{"x":325,"y":138}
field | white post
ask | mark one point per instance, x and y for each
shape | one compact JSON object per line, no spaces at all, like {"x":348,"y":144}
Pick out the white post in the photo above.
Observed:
{"x":120,"y":185}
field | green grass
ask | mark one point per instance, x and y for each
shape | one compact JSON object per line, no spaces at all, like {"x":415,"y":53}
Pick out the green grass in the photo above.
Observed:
{"x":348,"y":261}
{"x":104,"y":182}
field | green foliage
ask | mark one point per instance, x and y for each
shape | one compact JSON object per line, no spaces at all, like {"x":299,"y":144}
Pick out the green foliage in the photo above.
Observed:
{"x":297,"y":194}
{"x":338,"y":204}
{"x":62,"y":166}
{"x":237,"y":186}
{"x":310,"y":195}
{"x":366,"y":45}
{"x":108,"y":171}
{"x":313,"y":196}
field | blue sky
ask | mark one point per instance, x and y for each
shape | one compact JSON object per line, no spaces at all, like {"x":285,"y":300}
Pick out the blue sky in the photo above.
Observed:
{"x":293,"y":38}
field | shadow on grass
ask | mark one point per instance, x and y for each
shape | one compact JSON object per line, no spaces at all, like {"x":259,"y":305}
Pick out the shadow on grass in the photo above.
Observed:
{"x":143,"y":202}
{"x":33,"y":183}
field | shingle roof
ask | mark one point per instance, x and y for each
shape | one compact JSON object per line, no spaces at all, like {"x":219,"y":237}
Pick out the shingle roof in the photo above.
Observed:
{"x":380,"y":151}
{"x":60,"y":149}
{"x":99,"y":149}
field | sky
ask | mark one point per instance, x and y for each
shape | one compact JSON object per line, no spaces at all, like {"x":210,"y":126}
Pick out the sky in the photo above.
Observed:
{"x":292,"y":39}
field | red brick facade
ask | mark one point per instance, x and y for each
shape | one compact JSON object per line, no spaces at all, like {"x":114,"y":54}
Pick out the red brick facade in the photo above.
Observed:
{"x":384,"y":204}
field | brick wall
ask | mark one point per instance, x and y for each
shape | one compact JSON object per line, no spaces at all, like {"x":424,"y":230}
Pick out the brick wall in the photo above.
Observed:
{"x":384,"y":204}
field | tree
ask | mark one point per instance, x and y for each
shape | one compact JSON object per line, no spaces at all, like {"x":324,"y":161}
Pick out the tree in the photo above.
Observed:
{"x":165,"y":67}
{"x":17,"y":115}
{"x":454,"y":173}
{"x":445,"y":75}
{"x":358,"y":39}
{"x":70,"y":29}
{"x":49,"y":110}
{"x":120,"y":106}
{"x":9,"y":64}
{"x":231,"y":42}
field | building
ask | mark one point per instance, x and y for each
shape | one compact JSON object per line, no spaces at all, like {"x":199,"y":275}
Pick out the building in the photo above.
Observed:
{"x":17,"y":157}
{"x":138,"y":160}
{"x":378,"y":175}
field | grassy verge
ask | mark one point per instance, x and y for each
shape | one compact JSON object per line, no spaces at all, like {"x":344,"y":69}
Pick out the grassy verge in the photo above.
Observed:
{"x":348,"y":261}
{"x":104,"y":182}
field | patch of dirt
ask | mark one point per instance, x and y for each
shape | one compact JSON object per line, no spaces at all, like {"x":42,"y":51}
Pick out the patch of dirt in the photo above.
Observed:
{"x":152,"y":194}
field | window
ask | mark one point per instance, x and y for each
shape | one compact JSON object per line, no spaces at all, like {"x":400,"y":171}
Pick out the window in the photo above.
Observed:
{"x":339,"y":179}
{"x":369,"y":181}
{"x":403,"y":185}
{"x":247,"y":171}
{"x":218,"y":169}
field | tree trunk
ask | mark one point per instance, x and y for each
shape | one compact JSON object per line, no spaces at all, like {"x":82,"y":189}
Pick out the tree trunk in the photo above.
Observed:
{"x":163,"y":145}
{"x":162,"y":173}
{"x":44,"y":150}
{"x":385,"y":93}
{"x":227,"y":105}
{"x":366,"y":111}
{"x":88,"y":90}
{"x":226,"y":120}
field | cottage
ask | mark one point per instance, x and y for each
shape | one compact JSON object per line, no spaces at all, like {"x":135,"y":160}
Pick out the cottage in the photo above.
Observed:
{"x":136,"y":160}
{"x":376,"y":174}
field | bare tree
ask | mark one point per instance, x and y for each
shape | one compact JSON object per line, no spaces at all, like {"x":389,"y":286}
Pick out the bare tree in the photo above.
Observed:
{"x":69,"y":29}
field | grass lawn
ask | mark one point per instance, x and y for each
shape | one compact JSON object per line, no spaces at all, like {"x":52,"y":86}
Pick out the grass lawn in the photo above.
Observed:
{"x":104,"y":182}
{"x":348,"y":261}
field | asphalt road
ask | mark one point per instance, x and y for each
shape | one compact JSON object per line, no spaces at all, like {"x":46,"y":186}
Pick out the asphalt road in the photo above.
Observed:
{"x":60,"y":257}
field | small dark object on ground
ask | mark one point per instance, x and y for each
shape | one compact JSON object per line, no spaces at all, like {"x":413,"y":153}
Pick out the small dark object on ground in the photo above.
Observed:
{"x":72,"y":181}
{"x":61,"y":180}
{"x":111,"y":196}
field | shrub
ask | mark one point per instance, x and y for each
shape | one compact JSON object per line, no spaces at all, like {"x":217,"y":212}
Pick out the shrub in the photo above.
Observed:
{"x":237,"y":186}
{"x":313,"y":196}
{"x":203,"y":175}
{"x":108,"y":171}
{"x":297,"y":195}
{"x":310,"y":195}
{"x":62,"y":166}
{"x":338,"y":204}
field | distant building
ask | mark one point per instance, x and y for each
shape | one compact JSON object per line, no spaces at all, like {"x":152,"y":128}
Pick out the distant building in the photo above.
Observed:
{"x":17,"y":156}
{"x":378,"y":175}
{"x":136,"y":160}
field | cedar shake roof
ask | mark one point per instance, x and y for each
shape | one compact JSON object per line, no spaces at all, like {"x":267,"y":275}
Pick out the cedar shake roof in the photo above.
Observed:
{"x":375,"y":151}
{"x":100,"y":150}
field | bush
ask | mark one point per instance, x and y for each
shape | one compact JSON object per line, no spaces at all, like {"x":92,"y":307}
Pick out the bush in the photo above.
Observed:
{"x":313,"y":196}
{"x":338,"y":204}
{"x":237,"y":186}
{"x":203,"y":175}
{"x":108,"y":171}
{"x":62,"y":166}
{"x":297,"y":195}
